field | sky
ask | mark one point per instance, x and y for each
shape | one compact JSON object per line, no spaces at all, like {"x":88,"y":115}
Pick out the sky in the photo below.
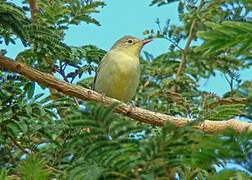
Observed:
{"x":119,"y":18}
{"x":131,"y":17}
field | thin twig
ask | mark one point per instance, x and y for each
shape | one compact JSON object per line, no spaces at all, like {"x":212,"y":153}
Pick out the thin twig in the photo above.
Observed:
{"x":141,"y":89}
{"x":33,"y":8}
{"x":173,"y":42}
{"x":189,"y":40}
{"x":14,"y":141}
{"x":61,"y":152}
{"x":10,"y":155}
{"x":53,"y":169}
{"x":24,"y":151}
{"x":61,"y":72}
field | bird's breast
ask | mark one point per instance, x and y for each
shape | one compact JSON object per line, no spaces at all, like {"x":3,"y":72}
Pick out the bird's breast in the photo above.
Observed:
{"x":127,"y":66}
{"x":119,"y":76}
{"x":127,"y":72}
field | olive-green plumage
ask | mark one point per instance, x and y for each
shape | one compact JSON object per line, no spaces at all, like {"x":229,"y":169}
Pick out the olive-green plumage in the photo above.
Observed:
{"x":118,"y":73}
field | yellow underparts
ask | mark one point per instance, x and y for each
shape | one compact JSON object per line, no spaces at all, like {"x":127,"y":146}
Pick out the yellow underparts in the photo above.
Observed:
{"x":118,"y":76}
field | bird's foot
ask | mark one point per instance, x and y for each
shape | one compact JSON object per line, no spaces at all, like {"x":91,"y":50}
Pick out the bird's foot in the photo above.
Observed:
{"x":132,"y":106}
{"x":102,"y":97}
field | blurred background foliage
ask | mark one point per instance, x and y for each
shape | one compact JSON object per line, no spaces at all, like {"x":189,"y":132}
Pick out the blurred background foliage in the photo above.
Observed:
{"x":59,"y":137}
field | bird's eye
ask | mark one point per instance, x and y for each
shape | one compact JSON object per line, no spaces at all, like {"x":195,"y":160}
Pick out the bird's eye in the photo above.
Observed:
{"x":129,"y":41}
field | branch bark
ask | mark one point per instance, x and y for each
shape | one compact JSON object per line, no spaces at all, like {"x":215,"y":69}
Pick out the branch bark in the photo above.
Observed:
{"x":139,"y":114}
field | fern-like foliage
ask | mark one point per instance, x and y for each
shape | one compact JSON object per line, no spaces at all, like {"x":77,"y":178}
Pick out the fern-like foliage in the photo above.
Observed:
{"x":100,"y":141}
{"x":20,"y":113}
{"x":34,"y":168}
{"x":63,"y":13}
{"x":228,"y":34}
{"x":44,"y":39}
{"x":161,"y":2}
{"x":45,"y":34}
{"x":229,"y":174}
{"x":12,"y":21}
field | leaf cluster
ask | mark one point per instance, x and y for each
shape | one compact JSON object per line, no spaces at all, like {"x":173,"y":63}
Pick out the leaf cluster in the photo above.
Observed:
{"x":227,"y":35}
{"x":96,"y":144}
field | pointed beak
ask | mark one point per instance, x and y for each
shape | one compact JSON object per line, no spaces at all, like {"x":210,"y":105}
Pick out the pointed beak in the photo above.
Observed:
{"x":146,"y":41}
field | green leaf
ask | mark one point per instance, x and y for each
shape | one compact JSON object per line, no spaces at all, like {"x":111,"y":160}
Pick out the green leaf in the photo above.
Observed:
{"x":34,"y":168}
{"x":211,"y":35}
{"x":29,"y":88}
{"x":3,"y":175}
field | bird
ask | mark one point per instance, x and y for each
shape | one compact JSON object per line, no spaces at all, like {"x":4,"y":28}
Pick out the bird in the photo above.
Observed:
{"x":118,"y":74}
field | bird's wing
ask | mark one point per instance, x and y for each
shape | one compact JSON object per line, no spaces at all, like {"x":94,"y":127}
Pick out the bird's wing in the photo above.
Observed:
{"x":102,"y":63}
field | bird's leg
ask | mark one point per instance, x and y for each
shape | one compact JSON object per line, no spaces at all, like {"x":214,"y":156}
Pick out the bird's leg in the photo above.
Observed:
{"x":102,"y":96}
{"x":132,"y":106}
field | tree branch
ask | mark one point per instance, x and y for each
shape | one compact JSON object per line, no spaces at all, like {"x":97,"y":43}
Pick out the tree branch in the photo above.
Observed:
{"x":139,"y":114}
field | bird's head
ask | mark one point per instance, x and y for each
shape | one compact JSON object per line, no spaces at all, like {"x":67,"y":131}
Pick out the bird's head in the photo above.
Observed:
{"x":130,"y":44}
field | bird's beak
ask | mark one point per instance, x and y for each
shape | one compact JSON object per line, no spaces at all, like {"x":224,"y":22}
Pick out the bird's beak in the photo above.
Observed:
{"x":146,"y":41}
